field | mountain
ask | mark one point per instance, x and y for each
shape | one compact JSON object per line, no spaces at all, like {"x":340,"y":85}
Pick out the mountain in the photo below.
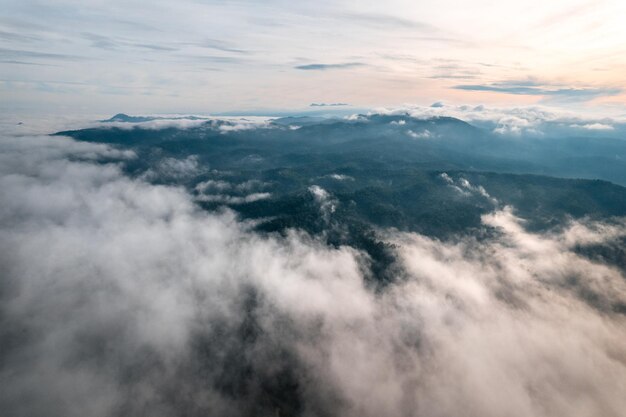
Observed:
{"x":434,"y":176}
{"x":435,"y":143}
{"x":124,"y":118}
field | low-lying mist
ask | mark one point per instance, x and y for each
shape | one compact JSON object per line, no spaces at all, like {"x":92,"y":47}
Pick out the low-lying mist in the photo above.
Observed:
{"x":123,"y":298}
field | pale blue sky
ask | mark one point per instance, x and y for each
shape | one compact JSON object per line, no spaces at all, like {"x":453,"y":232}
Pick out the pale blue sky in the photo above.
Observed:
{"x":210,"y":56}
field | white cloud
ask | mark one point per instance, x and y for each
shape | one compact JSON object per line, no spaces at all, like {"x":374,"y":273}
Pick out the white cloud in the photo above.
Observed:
{"x":154,"y":124}
{"x":595,"y":126}
{"x":121,"y":297}
{"x":230,"y":199}
{"x":222,"y":124}
{"x":327,"y":203}
{"x":446,"y":178}
{"x":419,"y":135}
{"x":173,"y":168}
{"x":464,"y":187}
{"x":530,"y":120}
{"x":218,"y":185}
{"x":341,"y":177}
{"x":230,"y":193}
{"x":243,"y":125}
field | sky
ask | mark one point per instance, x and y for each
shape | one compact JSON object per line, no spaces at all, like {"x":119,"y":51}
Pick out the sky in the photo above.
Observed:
{"x":199,"y":56}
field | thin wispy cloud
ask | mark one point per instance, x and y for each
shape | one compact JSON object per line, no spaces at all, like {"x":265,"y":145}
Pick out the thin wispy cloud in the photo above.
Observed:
{"x":324,"y":67}
{"x":110,"y":43}
{"x":385,"y":21}
{"x":535,"y":88}
{"x":220,"y":46}
{"x":17,"y":37}
{"x":20,"y":53}
{"x":328,"y":104}
{"x":8,"y":61}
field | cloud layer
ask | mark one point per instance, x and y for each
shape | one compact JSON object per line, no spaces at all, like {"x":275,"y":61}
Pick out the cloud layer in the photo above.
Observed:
{"x":324,"y":67}
{"x":76,"y":56}
{"x":526,"y":120}
{"x":119,"y":297}
{"x":546,"y":90}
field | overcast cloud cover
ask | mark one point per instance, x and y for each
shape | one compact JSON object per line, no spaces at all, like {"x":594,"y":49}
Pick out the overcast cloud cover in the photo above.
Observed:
{"x":119,"y":297}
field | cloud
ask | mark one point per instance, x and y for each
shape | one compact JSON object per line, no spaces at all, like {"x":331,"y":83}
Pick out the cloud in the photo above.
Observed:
{"x":110,"y":43}
{"x":224,"y":192}
{"x":231,"y":66}
{"x":243,"y":124}
{"x":533,"y":88}
{"x":530,"y":120}
{"x":327,"y":203}
{"x":340,"y":177}
{"x":18,"y":37}
{"x":220,"y":185}
{"x":174,"y":169}
{"x":455,"y":71}
{"x":26,"y":63}
{"x":594,"y":126}
{"x":453,"y":77}
{"x":154,"y":47}
{"x":220,"y":46}
{"x":223,"y":124}
{"x":122,"y":298}
{"x":212,"y":59}
{"x":165,"y":123}
{"x":18,"y":54}
{"x":229,"y":199}
{"x":328,"y":104}
{"x":464,"y":187}
{"x":425,"y":134}
{"x":324,"y":67}
{"x":383,"y":21}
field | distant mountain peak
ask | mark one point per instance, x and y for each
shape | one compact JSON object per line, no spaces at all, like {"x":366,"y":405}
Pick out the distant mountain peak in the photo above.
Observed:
{"x":124,"y":118}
